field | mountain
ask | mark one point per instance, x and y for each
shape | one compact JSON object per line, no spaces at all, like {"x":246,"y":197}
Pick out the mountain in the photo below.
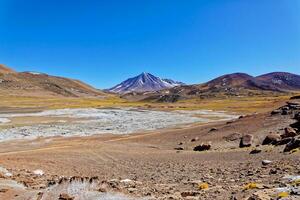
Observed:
{"x":228,"y":81}
{"x":236,"y":84}
{"x":144,"y":82}
{"x":40,"y":84}
{"x":282,"y":81}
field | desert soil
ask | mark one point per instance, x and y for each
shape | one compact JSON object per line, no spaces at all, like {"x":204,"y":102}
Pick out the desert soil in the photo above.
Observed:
{"x":158,"y":164}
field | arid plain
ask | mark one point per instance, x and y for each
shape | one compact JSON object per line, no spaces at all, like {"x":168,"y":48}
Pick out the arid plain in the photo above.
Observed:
{"x":157,"y":164}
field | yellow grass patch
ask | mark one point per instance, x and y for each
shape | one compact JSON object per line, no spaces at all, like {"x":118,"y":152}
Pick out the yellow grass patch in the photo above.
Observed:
{"x":250,"y":186}
{"x":203,"y":186}
{"x":283,"y":195}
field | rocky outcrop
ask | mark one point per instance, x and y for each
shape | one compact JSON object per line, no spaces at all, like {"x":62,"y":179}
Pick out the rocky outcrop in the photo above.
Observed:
{"x":290,"y":137}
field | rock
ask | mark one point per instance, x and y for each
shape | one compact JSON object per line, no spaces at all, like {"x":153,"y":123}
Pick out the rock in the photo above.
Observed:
{"x":273,"y":171}
{"x":194,"y":139}
{"x":284,"y":141}
{"x":294,"y":106}
{"x":246,"y":141}
{"x":255,"y":151}
{"x":65,"y":197}
{"x":286,"y":112}
{"x":179,"y":148}
{"x":293,"y":144}
{"x":297,"y":116}
{"x":233,"y":137}
{"x":295,"y":97}
{"x":38,"y":172}
{"x":39,"y":196}
{"x":271,"y":139}
{"x":202,"y":147}
{"x":180,"y":143}
{"x":285,"y":108}
{"x":189,"y":193}
{"x":289,"y":132}
{"x":213,"y":129}
{"x":275,"y":112}
{"x":266,"y":162}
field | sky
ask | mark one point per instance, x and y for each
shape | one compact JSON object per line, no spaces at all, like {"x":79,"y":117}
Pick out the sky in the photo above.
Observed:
{"x":104,"y":42}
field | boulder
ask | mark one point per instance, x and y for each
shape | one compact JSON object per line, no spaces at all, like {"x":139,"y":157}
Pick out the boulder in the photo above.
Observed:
{"x":246,"y":140}
{"x":289,"y":132}
{"x":202,"y":147}
{"x":271,"y":139}
{"x":294,"y":144}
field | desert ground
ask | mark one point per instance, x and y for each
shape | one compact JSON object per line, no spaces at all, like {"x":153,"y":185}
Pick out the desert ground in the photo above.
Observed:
{"x":154,"y":160}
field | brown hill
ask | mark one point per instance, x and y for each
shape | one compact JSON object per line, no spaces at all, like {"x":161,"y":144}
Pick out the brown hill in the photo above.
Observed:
{"x":5,"y":70}
{"x":39,"y":84}
{"x":281,"y":80}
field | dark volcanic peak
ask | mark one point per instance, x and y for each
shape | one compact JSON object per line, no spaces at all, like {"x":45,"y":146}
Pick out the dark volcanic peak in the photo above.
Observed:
{"x":143,"y":83}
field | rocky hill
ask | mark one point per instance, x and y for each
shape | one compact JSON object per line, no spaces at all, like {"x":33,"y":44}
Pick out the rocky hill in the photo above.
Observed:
{"x":40,"y":84}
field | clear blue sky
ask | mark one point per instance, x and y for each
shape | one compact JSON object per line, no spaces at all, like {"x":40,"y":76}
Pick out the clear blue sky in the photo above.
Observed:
{"x":104,"y":42}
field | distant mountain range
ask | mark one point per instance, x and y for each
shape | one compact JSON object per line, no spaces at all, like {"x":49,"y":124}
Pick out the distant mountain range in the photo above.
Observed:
{"x":40,"y":84}
{"x":144,"y":82}
{"x":229,"y":84}
{"x":236,"y":84}
{"x":148,"y":87}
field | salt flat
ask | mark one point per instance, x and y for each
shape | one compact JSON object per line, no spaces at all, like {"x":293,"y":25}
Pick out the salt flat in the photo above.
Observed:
{"x":89,"y":121}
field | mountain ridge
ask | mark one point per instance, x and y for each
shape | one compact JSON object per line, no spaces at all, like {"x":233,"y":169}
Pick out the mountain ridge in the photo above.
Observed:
{"x":235,"y":84}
